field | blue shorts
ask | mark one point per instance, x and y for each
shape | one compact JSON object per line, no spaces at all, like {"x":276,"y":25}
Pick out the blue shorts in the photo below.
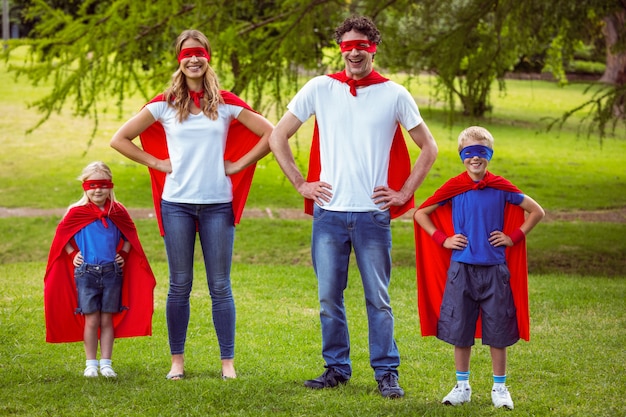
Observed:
{"x":99,"y":288}
{"x":474,"y":289}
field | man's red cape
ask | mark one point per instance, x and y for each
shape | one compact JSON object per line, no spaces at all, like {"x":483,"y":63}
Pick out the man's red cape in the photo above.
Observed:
{"x":399,"y":158}
{"x":432,"y":261}
{"x":238,"y":143}
{"x":60,"y":296}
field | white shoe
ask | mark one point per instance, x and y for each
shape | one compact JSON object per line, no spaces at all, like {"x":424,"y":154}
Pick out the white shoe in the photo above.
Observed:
{"x":501,"y":397}
{"x":91,"y":371}
{"x":460,"y":394}
{"x":107,"y":371}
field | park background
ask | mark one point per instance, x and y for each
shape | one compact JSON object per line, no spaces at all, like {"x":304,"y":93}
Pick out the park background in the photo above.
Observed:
{"x":574,"y":365}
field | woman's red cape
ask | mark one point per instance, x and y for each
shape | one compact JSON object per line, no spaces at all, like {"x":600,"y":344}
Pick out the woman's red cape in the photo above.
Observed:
{"x":240,"y":141}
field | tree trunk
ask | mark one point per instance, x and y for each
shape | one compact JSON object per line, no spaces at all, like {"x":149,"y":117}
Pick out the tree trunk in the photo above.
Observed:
{"x":615,"y":72}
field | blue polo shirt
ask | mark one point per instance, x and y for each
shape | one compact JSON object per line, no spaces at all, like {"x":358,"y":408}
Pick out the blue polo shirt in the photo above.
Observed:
{"x":98,"y":244}
{"x":475,"y":214}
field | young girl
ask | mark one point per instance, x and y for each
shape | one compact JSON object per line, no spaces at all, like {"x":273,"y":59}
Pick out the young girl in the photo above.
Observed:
{"x":98,"y":240}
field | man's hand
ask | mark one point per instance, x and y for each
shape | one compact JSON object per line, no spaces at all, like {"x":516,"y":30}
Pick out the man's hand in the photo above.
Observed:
{"x":388,"y":197}
{"x":318,"y":191}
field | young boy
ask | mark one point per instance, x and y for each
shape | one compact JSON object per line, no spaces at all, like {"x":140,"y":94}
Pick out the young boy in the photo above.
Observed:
{"x":475,"y":223}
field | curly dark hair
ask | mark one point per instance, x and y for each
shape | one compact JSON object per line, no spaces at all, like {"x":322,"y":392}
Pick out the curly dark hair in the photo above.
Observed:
{"x":361,"y":24}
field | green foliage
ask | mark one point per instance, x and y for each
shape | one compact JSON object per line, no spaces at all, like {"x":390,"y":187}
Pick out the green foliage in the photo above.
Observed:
{"x":587,"y":67}
{"x":91,"y":50}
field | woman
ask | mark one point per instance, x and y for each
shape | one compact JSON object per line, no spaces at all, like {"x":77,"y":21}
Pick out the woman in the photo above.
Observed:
{"x":201,"y":168}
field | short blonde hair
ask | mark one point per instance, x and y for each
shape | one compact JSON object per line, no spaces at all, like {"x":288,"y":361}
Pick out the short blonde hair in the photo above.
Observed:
{"x":477,"y":134}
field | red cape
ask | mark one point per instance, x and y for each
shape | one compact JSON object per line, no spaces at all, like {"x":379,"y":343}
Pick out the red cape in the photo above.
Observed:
{"x":60,"y":297}
{"x":238,"y":142}
{"x":432,"y":261}
{"x":399,"y":158}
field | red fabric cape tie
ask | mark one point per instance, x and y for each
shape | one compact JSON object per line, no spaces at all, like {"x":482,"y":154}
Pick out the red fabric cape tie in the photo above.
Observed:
{"x":372,"y":78}
{"x":196,"y":96}
{"x":101,"y":214}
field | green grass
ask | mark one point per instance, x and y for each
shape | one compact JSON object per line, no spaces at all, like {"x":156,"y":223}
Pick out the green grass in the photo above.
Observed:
{"x":557,"y":247}
{"x":574,"y":365}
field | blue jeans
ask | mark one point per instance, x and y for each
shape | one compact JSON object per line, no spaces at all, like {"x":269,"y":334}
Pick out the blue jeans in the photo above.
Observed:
{"x":215,"y":225}
{"x":99,"y":288}
{"x":334,"y":236}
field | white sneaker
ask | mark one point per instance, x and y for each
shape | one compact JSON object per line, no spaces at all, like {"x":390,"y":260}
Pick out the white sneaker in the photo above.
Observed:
{"x":460,"y":394}
{"x":91,"y":371}
{"x":107,"y":371}
{"x":501,"y":397}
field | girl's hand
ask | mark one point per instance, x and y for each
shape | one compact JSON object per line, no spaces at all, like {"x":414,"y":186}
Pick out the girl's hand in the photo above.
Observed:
{"x":78,"y":259}
{"x":120,"y":258}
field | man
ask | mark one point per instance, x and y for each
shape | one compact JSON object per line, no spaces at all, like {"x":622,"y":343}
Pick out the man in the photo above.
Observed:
{"x":359,"y":178}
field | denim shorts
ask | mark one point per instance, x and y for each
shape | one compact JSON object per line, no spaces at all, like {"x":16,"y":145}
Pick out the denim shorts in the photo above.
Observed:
{"x":472,"y":290}
{"x":99,"y":288}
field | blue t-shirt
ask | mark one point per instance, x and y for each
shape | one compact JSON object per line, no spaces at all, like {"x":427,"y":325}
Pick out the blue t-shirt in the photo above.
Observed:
{"x":98,"y":244}
{"x":475,"y":214}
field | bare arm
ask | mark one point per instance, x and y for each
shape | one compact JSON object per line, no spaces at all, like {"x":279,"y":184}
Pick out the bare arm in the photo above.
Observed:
{"x":122,"y":141}
{"x":318,"y":191}
{"x":426,"y":142}
{"x":261,"y":127}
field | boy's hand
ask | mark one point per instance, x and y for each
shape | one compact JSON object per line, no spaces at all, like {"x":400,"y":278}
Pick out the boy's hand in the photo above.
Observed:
{"x":498,"y":238}
{"x":456,"y":242}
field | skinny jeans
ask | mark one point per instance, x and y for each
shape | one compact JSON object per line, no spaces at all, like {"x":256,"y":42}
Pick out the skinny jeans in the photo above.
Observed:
{"x":214,"y":223}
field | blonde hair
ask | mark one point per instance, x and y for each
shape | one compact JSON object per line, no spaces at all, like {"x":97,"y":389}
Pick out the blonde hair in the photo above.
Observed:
{"x":178,"y":87}
{"x":476,"y":134}
{"x":96,"y":167}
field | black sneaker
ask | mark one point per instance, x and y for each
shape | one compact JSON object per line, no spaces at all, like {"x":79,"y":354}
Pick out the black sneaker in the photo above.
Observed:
{"x":329,"y":379}
{"x":388,"y":386}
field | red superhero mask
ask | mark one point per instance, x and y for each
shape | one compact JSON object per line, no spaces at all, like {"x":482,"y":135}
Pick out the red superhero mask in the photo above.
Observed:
{"x":360,"y":44}
{"x":198,"y":52}
{"x":93,"y":184}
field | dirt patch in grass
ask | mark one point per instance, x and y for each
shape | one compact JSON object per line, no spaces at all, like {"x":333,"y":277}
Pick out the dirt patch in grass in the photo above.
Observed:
{"x":606,"y":216}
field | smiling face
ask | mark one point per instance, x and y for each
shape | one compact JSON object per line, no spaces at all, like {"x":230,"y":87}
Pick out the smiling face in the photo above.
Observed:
{"x":359,"y":63}
{"x":476,"y":164}
{"x":194,"y":66}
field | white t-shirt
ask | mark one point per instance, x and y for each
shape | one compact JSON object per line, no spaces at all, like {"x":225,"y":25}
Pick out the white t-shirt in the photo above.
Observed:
{"x":196,"y":148}
{"x":355,"y":134}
